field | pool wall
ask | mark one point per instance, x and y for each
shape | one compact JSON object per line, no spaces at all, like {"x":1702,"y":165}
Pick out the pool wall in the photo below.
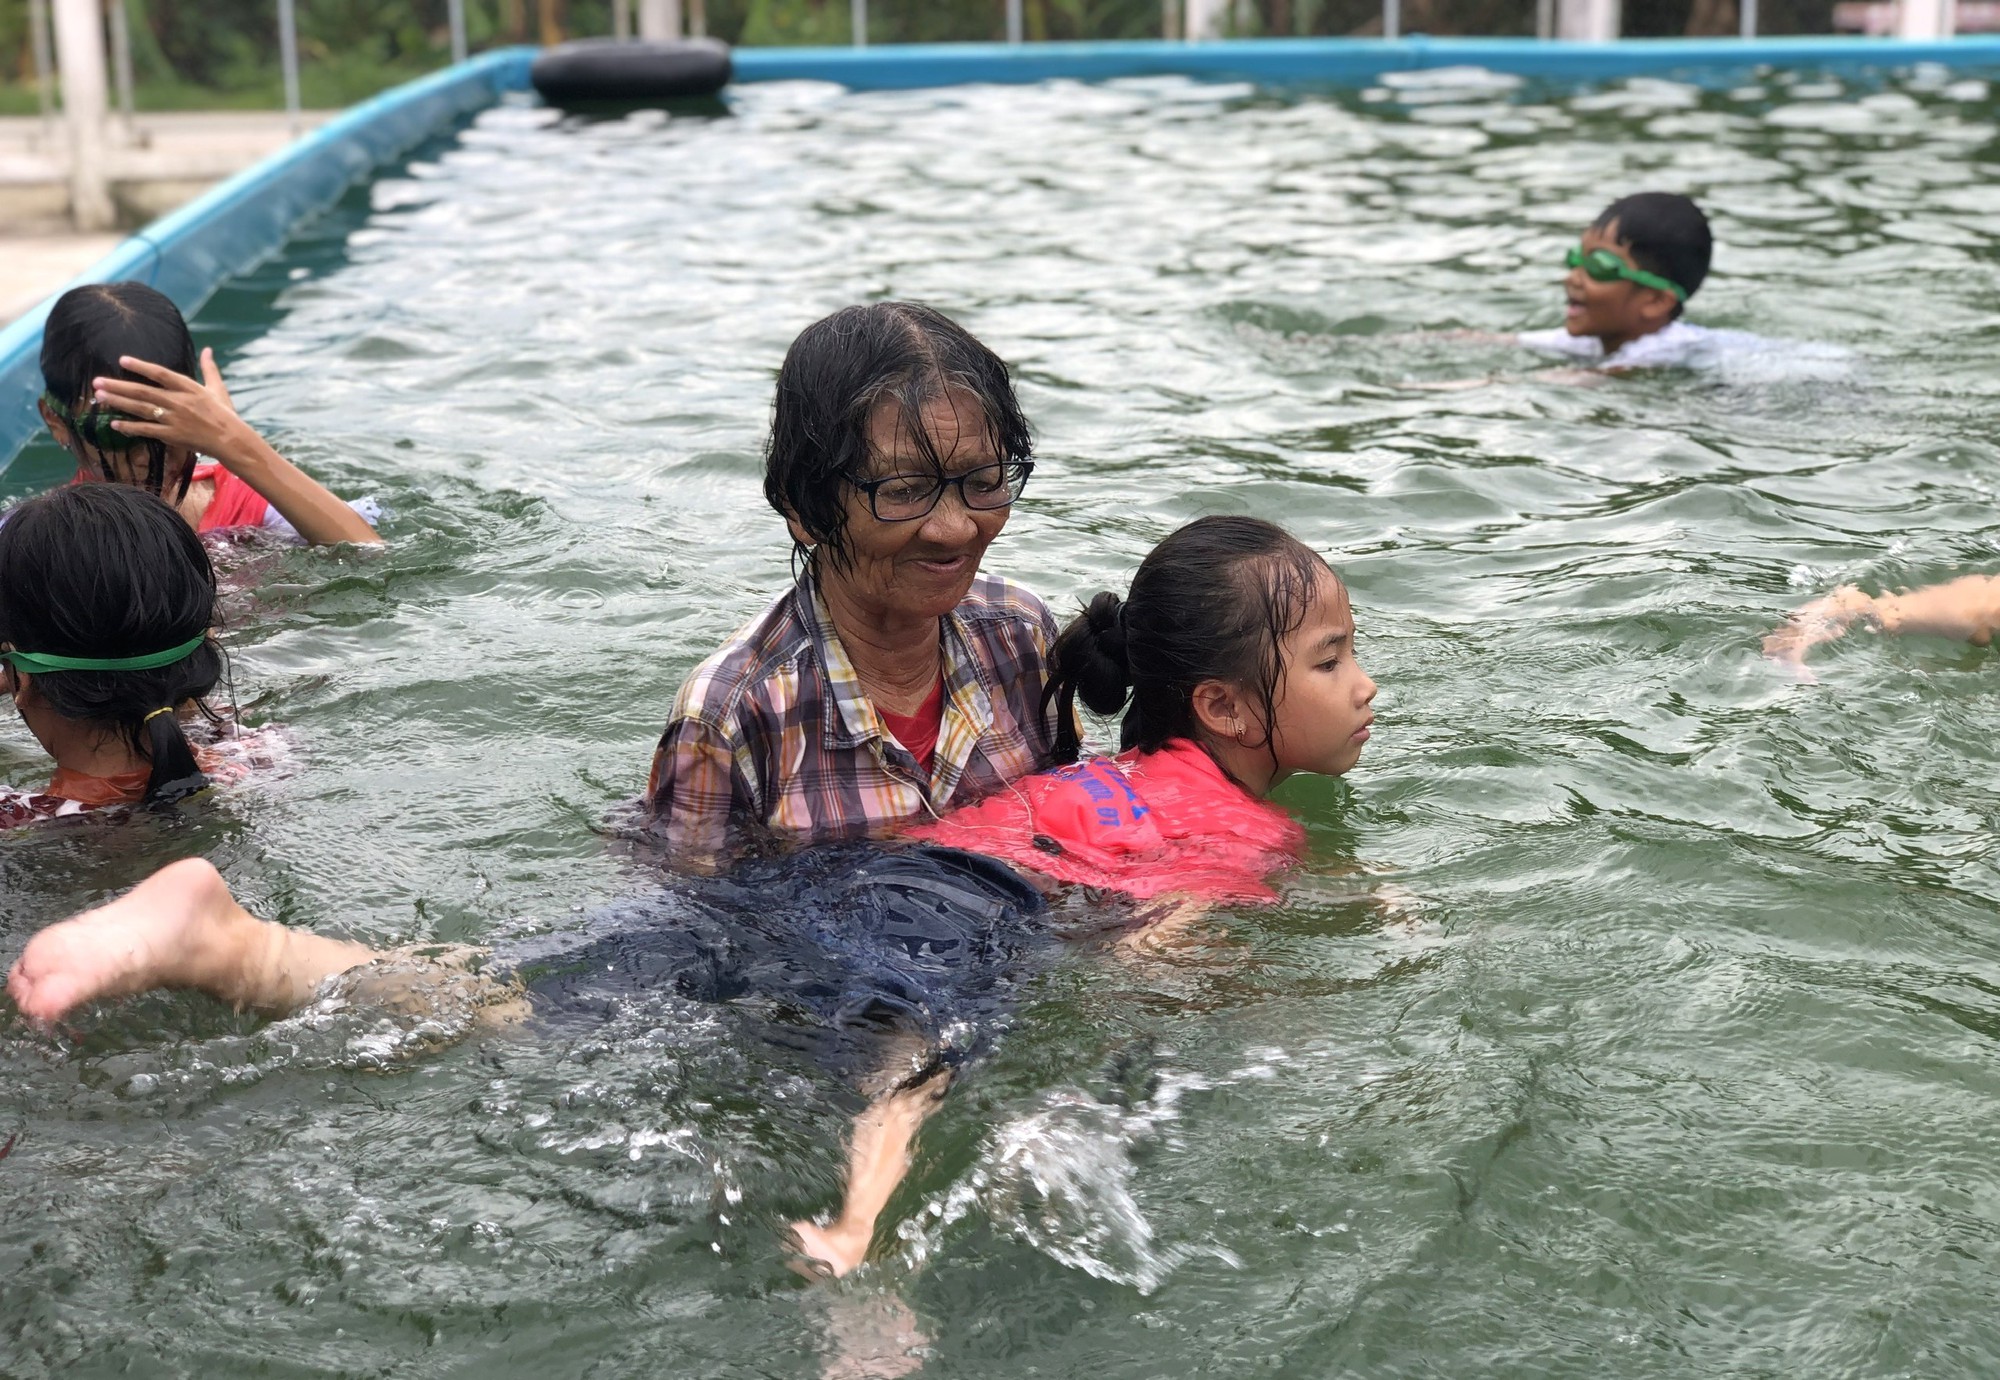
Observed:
{"x":234,"y":225}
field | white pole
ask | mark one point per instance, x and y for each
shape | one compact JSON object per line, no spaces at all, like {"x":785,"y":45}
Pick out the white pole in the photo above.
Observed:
{"x":1747,"y":26}
{"x":621,"y":18}
{"x":1204,"y":19}
{"x":857,"y":17}
{"x":1587,"y":21}
{"x":1392,"y":18}
{"x":455,"y":12}
{"x":697,"y":18}
{"x":80,"y":56}
{"x":1545,"y":19}
{"x":1013,"y":21}
{"x":121,"y":60}
{"x":1924,"y":19}
{"x":288,"y":54}
{"x":659,"y":19}
{"x":45,"y":85}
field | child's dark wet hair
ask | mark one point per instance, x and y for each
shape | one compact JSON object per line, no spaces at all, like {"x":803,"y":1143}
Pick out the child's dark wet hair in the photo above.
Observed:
{"x":1214,"y":601}
{"x":1665,"y":233}
{"x":88,"y":329}
{"x":106,"y":571}
{"x":833,"y":377}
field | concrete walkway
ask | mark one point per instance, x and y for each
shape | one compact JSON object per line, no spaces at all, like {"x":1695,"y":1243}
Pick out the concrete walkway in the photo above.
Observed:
{"x":164,"y":161}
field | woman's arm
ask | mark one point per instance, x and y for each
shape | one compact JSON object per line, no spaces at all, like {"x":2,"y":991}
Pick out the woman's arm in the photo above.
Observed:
{"x":202,"y":417}
{"x":694,"y":791}
{"x":1968,"y":608}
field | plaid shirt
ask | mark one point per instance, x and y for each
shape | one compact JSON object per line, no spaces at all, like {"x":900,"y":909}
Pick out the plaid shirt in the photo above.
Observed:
{"x":775,"y":728}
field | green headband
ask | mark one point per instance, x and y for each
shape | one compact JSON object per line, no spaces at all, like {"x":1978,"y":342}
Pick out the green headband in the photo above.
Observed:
{"x":40,"y":663}
{"x":94,"y":425}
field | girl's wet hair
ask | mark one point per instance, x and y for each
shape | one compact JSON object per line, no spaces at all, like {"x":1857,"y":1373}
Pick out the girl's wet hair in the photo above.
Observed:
{"x":106,"y":570}
{"x":832,"y":379}
{"x":88,"y":329}
{"x":1214,"y":601}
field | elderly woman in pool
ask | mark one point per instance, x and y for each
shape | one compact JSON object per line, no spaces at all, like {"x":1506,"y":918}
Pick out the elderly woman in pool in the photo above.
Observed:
{"x":893,"y":679}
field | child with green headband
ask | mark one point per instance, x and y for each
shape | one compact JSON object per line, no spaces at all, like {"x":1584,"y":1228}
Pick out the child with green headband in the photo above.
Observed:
{"x":106,"y":601}
{"x":1629,"y":280}
{"x":130,"y":399}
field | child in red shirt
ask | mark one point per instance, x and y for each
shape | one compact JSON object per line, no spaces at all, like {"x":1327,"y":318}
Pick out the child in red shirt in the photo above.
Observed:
{"x":122,"y":396}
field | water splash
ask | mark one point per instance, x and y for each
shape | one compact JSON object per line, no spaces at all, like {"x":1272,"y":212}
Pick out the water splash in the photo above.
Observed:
{"x":1062,"y":1179}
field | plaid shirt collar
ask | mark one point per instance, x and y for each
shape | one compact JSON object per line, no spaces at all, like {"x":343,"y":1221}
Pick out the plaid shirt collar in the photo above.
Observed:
{"x":968,"y":707}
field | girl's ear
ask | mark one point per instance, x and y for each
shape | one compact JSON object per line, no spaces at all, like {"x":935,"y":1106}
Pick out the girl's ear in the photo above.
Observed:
{"x":798,"y":532}
{"x":1218,"y":709}
{"x":53,"y":423}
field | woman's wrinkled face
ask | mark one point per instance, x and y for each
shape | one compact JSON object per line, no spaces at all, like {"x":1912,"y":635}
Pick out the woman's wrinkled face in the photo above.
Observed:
{"x":922,"y":568}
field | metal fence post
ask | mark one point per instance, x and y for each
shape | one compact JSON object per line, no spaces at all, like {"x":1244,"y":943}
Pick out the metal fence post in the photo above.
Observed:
{"x":659,"y":20}
{"x":621,"y":18}
{"x":288,"y":54}
{"x":1392,"y":18}
{"x":121,"y":61}
{"x":455,"y":14}
{"x":1013,"y":21}
{"x":1545,"y":19}
{"x":1749,"y":16}
{"x":45,"y":86}
{"x":697,"y":18}
{"x":857,"y":16}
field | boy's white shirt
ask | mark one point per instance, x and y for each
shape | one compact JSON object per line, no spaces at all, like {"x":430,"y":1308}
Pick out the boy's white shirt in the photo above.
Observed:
{"x":1676,"y":344}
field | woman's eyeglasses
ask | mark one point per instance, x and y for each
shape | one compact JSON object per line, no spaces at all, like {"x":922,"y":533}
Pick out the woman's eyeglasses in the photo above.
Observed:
{"x":907,"y":497}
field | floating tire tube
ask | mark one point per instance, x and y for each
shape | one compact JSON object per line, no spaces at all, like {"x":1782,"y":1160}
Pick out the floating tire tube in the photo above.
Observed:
{"x":609,"y":69}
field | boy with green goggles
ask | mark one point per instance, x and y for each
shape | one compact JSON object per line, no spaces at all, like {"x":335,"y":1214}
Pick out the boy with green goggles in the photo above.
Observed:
{"x":1629,"y":279}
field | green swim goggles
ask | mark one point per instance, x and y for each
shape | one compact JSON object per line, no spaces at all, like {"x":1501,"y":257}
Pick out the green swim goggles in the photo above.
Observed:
{"x":1602,"y":266}
{"x":41,"y":663}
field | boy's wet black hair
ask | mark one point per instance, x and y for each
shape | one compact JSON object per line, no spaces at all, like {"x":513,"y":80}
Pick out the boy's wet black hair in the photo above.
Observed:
{"x":1214,"y":601}
{"x":833,"y":377}
{"x":1665,"y":233}
{"x":88,"y":329}
{"x":108,"y":570}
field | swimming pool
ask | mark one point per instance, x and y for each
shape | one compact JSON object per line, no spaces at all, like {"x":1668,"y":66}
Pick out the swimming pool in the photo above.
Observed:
{"x":1637,"y":1016}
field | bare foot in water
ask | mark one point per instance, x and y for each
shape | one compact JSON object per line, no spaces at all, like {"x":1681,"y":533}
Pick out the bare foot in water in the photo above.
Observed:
{"x":180,"y":928}
{"x":163,"y":932}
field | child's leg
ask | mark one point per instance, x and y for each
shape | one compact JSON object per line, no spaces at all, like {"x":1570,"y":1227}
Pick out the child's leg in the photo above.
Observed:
{"x":180,"y":928}
{"x":877,"y":1159}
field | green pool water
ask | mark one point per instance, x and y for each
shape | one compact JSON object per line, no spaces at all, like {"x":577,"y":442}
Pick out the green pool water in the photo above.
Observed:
{"x":1638,"y":1012}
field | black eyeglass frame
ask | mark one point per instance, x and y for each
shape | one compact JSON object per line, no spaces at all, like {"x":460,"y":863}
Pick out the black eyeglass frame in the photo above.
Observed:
{"x":1013,"y":490}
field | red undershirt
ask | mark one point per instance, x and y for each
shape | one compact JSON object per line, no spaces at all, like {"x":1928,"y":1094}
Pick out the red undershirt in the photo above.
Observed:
{"x":919,"y":731}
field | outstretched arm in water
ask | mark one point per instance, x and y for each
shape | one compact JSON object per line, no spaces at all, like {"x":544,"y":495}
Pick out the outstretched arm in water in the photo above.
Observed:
{"x":1968,"y":608}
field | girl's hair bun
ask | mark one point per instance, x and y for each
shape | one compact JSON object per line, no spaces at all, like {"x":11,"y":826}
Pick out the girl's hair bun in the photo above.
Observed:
{"x":1088,"y":661}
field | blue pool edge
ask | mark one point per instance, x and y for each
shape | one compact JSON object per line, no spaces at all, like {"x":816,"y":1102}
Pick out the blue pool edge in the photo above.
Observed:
{"x":188,"y":252}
